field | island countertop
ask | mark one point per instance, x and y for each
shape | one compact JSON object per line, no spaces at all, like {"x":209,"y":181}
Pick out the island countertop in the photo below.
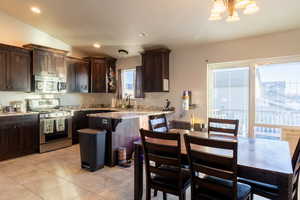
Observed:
{"x":128,"y":114}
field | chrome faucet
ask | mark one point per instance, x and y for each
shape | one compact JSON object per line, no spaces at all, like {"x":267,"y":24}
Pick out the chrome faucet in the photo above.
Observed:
{"x":128,"y":100}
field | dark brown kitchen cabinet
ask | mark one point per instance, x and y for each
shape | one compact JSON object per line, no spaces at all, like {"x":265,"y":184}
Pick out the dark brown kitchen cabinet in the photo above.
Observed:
{"x":156,"y":70}
{"x":47,"y":61}
{"x":18,"y":74}
{"x":42,"y":62}
{"x":98,"y":75}
{"x":4,"y":55}
{"x":82,"y":77}
{"x":18,"y":136}
{"x":58,"y":61}
{"x":14,"y":68}
{"x":78,"y":75}
{"x":103,"y":78}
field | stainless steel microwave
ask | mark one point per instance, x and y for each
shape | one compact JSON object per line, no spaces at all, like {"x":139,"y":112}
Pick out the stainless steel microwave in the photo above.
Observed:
{"x":49,"y":84}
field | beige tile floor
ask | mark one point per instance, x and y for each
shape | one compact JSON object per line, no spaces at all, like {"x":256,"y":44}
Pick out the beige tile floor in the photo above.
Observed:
{"x":57,"y":176}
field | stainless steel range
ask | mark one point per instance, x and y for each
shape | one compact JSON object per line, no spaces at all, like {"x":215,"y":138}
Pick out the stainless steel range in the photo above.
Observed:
{"x":55,"y":124}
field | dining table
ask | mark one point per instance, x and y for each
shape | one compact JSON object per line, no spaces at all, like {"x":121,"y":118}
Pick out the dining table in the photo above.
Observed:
{"x":262,"y":160}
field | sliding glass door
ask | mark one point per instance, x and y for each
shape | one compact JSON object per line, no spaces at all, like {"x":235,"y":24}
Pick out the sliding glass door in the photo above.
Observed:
{"x":277,"y":98}
{"x":265,"y":98}
{"x":229,"y":95}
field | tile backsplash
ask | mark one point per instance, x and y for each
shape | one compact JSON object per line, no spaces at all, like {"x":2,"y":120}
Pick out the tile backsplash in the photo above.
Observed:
{"x":66,"y":99}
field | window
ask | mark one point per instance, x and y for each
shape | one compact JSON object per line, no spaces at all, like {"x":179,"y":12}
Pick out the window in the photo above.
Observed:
{"x":277,"y":102}
{"x":128,"y":83}
{"x":229,"y":95}
{"x":265,"y":98}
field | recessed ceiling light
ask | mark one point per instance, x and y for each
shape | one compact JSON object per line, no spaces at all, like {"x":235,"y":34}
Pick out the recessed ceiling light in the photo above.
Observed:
{"x":143,"y":34}
{"x":96,"y":45}
{"x":36,"y":10}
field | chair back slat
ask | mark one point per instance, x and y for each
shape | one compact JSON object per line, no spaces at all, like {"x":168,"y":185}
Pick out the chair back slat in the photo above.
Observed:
{"x":222,"y":162}
{"x":166,"y":152}
{"x":158,"y":123}
{"x":218,"y":144}
{"x":163,"y":172}
{"x":161,"y":148}
{"x":167,"y":160}
{"x":204,"y":159}
{"x":296,"y":169}
{"x":221,"y":130}
{"x":214,"y":171}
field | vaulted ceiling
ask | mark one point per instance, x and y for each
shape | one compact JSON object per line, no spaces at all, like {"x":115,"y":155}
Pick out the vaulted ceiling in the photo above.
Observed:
{"x":117,"y":24}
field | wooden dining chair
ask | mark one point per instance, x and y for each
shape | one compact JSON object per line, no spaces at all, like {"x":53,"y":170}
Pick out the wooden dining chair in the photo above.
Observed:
{"x":231,"y":129}
{"x":158,"y":123}
{"x":213,"y":165}
{"x":272,"y":191}
{"x":169,"y":177}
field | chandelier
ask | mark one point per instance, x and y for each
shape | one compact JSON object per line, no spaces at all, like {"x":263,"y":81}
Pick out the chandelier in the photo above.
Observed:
{"x":232,"y":6}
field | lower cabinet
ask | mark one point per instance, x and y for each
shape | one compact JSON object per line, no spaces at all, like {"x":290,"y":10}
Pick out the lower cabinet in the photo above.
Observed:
{"x":18,"y":136}
{"x":81,"y":121}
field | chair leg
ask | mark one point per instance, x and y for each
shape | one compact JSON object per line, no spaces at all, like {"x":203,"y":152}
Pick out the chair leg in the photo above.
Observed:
{"x":164,"y":196}
{"x":182,"y":196}
{"x":148,"y":193}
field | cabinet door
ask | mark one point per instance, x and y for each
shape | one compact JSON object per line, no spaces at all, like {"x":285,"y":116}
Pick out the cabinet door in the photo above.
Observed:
{"x":28,"y":136}
{"x":82,"y":77}
{"x":4,"y":142}
{"x":98,"y":76}
{"x":71,"y":76}
{"x":59,"y":65}
{"x":14,"y":142}
{"x":156,"y":70}
{"x":148,"y":76}
{"x":3,"y":67}
{"x":41,"y":61}
{"x":18,"y":72}
{"x":9,"y":141}
{"x":157,"y":73}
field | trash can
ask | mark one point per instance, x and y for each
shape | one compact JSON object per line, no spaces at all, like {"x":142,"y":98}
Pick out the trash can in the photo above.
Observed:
{"x":92,"y":148}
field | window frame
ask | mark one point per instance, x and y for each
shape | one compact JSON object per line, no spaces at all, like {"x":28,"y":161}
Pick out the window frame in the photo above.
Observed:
{"x":123,"y":82}
{"x":253,"y":64}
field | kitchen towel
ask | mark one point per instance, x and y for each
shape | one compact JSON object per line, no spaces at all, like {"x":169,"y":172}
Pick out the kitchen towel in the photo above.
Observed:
{"x":48,"y":126}
{"x":60,"y":124}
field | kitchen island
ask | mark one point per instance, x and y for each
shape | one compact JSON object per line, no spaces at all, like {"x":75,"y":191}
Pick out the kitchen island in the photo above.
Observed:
{"x":122,"y":130}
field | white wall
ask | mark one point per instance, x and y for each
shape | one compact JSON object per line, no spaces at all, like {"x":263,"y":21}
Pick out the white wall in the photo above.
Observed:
{"x":188,"y":65}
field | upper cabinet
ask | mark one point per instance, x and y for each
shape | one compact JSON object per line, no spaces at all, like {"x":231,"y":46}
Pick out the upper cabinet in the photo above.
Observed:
{"x":156,"y":70}
{"x":48,"y":61}
{"x":14,"y":68}
{"x":78,"y":75}
{"x":103,"y":74}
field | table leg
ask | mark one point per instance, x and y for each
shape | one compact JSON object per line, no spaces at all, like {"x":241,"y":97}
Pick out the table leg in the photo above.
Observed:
{"x":286,"y":186}
{"x":138,"y":172}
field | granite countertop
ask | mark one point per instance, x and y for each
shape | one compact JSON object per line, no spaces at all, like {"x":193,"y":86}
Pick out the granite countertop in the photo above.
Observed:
{"x":128,"y":114}
{"x":17,"y":114}
{"x":88,"y":109}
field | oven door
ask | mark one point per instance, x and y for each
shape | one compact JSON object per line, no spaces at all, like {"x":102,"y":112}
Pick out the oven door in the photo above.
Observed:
{"x":53,"y":129}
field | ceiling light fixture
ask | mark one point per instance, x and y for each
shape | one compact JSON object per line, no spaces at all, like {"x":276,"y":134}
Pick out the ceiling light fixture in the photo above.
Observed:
{"x":232,"y":6}
{"x":123,"y":52}
{"x":36,"y":10}
{"x":143,"y":34}
{"x":96,"y":45}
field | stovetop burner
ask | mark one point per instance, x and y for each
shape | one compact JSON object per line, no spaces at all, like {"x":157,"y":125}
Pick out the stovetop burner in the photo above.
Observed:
{"x":48,"y":108}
